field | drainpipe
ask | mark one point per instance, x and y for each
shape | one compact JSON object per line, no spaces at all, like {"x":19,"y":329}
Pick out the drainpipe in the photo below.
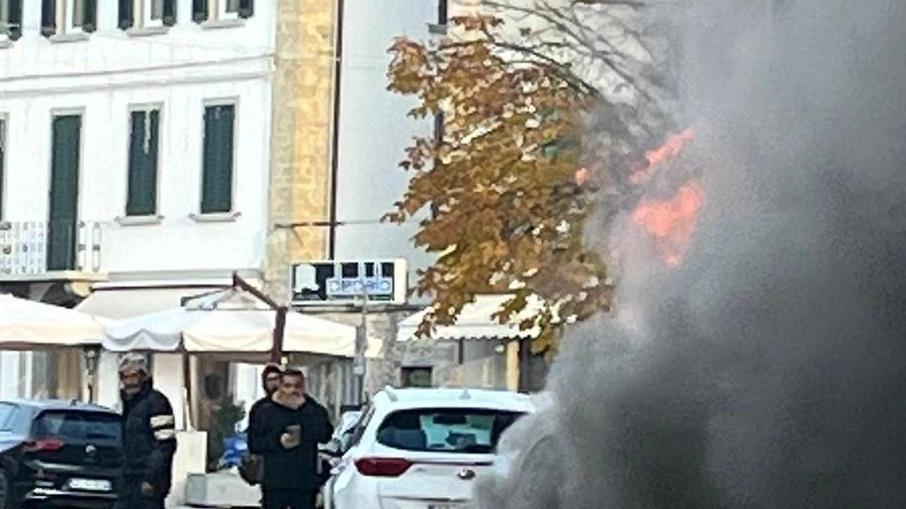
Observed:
{"x":335,"y":134}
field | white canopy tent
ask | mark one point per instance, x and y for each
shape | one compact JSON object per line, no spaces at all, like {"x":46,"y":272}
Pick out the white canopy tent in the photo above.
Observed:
{"x":30,"y":325}
{"x":476,"y":321}
{"x":229,"y":325}
{"x":218,"y":323}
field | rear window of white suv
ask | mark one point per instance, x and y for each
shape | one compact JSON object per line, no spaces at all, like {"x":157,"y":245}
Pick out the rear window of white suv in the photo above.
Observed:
{"x":455,"y":430}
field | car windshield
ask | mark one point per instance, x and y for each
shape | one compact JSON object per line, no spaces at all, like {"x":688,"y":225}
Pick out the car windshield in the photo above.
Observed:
{"x":78,"y":425}
{"x":460,"y":430}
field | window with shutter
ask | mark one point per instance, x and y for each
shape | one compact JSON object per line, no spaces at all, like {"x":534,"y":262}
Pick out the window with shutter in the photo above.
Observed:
{"x":49,"y":17}
{"x":146,"y":13}
{"x":62,"y":234}
{"x":11,"y":18}
{"x":199,"y":10}
{"x":144,"y":136}
{"x":76,"y":16}
{"x":126,"y":14}
{"x":246,"y":8}
{"x":222,"y":10}
{"x":217,"y":177}
{"x":227,"y":9}
{"x":169,"y":12}
{"x":88,"y":15}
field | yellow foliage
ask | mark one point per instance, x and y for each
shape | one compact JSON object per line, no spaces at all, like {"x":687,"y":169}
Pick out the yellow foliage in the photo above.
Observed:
{"x":508,"y":208}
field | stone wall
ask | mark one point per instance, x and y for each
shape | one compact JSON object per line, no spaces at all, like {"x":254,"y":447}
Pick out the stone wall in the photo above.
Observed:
{"x":300,"y":137}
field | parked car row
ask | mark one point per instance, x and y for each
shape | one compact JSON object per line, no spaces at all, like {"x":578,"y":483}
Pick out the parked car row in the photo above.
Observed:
{"x":408,"y":449}
{"x":420,"y":448}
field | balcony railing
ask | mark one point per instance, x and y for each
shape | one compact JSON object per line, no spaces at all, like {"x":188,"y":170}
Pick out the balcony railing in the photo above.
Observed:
{"x":43,"y":248}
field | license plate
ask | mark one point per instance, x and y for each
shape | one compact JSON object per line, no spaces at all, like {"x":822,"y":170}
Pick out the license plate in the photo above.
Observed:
{"x":99,"y":485}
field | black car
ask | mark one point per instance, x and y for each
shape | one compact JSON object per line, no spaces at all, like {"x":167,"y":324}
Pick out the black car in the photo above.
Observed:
{"x":59,"y":454}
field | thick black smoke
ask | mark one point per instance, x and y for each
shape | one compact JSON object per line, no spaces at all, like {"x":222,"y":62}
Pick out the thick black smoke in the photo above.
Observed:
{"x":769,"y":370}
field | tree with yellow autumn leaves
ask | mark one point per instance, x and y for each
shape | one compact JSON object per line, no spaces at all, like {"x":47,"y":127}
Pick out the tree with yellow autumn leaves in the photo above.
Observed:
{"x":505,"y":181}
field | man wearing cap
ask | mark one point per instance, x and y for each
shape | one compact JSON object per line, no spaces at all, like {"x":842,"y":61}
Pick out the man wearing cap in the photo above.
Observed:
{"x":149,"y":437}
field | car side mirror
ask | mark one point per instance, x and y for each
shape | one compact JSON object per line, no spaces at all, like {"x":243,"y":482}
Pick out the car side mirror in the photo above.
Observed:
{"x":333,"y":448}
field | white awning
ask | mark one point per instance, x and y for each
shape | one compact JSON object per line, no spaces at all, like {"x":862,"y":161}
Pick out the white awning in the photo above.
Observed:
{"x":126,"y":302}
{"x":213,"y":324}
{"x":29,"y":325}
{"x":476,"y":322}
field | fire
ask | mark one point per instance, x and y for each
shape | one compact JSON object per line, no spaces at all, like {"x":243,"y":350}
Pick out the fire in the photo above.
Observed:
{"x":655,"y":157}
{"x":670,"y":221}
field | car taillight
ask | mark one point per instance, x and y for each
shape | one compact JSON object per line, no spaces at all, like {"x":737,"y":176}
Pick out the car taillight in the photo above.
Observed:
{"x":382,"y":467}
{"x":43,"y":444}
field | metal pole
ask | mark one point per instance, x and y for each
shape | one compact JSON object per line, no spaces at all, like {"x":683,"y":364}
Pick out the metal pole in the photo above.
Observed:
{"x":279,"y":321}
{"x":361,"y":343}
{"x":279,"y":333}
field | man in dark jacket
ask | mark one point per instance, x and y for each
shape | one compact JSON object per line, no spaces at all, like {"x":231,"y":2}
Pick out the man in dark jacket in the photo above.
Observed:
{"x":291,"y":429}
{"x":149,"y":438}
{"x":251,"y":469}
{"x":270,"y":381}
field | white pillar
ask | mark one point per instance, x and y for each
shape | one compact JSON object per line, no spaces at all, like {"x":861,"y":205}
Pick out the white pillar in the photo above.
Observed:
{"x":9,"y":374}
{"x":168,"y":378}
{"x":246,"y":387}
{"x":108,"y":389}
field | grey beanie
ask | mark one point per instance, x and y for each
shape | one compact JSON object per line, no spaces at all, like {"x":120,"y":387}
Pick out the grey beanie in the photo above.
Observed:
{"x":134,"y":361}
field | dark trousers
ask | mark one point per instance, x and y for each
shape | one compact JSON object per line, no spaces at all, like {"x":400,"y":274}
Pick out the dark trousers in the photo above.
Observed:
{"x":289,"y":499}
{"x":131,"y":497}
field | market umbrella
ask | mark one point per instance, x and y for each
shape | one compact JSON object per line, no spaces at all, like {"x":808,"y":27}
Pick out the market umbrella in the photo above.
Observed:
{"x":31,"y":325}
{"x":214,"y":327}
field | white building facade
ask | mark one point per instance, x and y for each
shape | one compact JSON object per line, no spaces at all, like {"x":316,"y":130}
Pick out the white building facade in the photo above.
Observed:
{"x":134,"y":153}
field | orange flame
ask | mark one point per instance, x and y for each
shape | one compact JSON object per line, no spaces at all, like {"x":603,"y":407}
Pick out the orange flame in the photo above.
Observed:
{"x":655,"y":157}
{"x":670,"y":221}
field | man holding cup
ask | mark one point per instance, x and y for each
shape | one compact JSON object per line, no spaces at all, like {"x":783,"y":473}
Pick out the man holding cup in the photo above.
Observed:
{"x":288,"y":439}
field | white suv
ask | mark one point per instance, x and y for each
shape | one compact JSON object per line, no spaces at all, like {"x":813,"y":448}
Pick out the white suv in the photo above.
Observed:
{"x":423,"y":448}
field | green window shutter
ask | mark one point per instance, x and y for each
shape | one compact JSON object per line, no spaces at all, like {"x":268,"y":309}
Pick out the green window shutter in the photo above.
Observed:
{"x":169,"y":18}
{"x":90,"y":16}
{"x":125,"y":14}
{"x":199,"y":10}
{"x":64,"y":193}
{"x":143,"y":149}
{"x":48,"y":17}
{"x":14,"y":19}
{"x":217,"y":176}
{"x":246,"y":8}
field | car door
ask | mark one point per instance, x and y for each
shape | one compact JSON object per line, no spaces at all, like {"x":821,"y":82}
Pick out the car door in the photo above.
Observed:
{"x":341,"y":482}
